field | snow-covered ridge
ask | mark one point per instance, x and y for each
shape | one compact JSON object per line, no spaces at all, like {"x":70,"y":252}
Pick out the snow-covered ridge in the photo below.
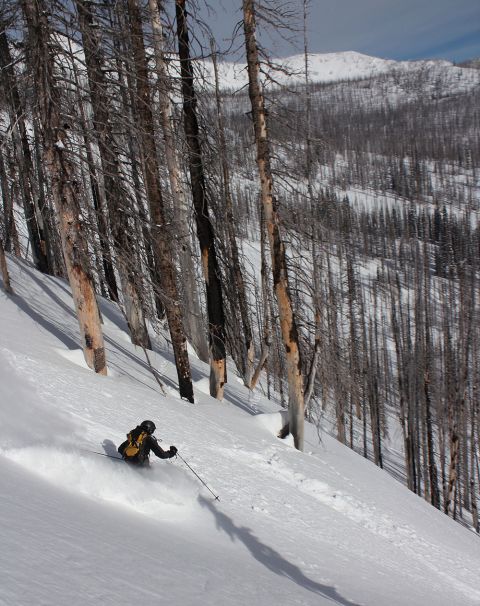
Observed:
{"x":334,"y":67}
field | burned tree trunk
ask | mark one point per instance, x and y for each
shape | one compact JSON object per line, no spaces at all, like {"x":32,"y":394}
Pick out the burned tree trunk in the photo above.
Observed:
{"x":277,"y":248}
{"x":11,"y":234}
{"x":64,"y":185}
{"x":117,"y":198}
{"x":162,"y":251}
{"x":235,"y":267}
{"x":205,"y":233}
{"x":193,"y":319}
{"x":4,"y":270}
{"x":33,"y":217}
{"x":432,"y":466}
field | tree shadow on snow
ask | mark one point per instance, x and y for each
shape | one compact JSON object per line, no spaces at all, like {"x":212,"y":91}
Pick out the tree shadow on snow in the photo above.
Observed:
{"x":270,"y":558}
{"x":52,"y":295}
{"x":48,"y":325}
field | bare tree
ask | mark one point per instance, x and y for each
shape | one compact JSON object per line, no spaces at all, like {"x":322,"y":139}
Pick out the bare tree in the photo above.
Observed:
{"x":193,"y":319}
{"x":277,"y":249}
{"x":37,"y":229}
{"x":235,"y":267}
{"x":4,"y":269}
{"x":205,"y":233}
{"x":11,"y":233}
{"x":162,"y":250}
{"x":118,"y":201}
{"x":267,"y":329}
{"x":63,"y":182}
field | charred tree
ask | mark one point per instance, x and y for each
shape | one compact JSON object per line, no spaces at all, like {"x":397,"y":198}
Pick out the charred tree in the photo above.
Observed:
{"x":205,"y":232}
{"x":238,"y":281}
{"x":162,"y":250}
{"x":64,"y":186}
{"x":35,"y":222}
{"x":118,"y":200}
{"x":4,"y":270}
{"x":277,"y":248}
{"x":193,"y":318}
{"x":11,"y":234}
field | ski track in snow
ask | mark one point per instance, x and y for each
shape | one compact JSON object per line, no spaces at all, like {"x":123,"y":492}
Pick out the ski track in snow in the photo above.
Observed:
{"x":175,"y":495}
{"x":401,"y":536}
{"x":62,"y":455}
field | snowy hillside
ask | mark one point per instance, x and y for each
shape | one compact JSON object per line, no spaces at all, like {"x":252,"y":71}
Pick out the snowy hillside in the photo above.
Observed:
{"x":333,"y":67}
{"x":320,"y":527}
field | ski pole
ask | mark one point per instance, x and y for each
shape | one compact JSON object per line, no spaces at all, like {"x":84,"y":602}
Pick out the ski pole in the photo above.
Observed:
{"x":194,"y":472}
{"x":102,"y":454}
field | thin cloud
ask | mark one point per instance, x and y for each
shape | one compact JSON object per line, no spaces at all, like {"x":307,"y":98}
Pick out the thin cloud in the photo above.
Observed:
{"x":385,"y":28}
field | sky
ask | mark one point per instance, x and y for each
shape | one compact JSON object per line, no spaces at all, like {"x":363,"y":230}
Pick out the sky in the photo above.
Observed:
{"x":411,"y":29}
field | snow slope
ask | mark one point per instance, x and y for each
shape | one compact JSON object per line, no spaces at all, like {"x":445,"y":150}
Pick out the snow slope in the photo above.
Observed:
{"x":316,"y":528}
{"x":350,"y":65}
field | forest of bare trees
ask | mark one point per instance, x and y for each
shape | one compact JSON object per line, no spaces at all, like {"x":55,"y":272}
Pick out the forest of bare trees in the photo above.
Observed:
{"x":324,"y":237}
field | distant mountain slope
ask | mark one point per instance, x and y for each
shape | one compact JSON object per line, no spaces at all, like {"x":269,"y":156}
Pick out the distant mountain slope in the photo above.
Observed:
{"x":333,"y":67}
{"x":472,"y":63}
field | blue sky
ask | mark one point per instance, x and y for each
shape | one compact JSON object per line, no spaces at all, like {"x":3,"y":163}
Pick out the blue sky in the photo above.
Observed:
{"x":391,"y":29}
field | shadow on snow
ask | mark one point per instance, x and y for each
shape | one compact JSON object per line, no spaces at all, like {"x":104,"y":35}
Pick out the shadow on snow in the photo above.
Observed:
{"x":270,"y":558}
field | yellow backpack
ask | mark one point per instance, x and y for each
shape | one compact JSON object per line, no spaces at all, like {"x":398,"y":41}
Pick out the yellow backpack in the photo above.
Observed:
{"x":134,"y":445}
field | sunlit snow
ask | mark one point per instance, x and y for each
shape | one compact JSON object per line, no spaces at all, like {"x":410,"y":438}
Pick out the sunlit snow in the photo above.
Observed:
{"x":315,"y":528}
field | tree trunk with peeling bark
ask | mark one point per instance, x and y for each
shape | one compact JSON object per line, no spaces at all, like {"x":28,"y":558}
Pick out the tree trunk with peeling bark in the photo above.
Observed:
{"x":211,"y":273}
{"x":193,"y":318}
{"x":117,"y":198}
{"x":277,"y":249}
{"x":64,"y":186}
{"x":161,"y":247}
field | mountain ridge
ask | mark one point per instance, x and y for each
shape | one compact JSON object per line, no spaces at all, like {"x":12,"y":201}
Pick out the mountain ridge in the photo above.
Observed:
{"x":333,"y":67}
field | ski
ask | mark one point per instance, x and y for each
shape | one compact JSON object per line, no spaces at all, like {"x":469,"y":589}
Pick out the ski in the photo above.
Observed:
{"x":102,"y":454}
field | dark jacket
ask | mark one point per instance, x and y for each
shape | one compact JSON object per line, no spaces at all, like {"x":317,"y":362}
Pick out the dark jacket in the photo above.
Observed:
{"x":148,"y":445}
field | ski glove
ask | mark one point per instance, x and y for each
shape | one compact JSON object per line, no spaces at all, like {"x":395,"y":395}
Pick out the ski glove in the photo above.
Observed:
{"x":173,"y":451}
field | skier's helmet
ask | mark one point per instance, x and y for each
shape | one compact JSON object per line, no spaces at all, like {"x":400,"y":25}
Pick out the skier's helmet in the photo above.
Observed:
{"x":148,"y":426}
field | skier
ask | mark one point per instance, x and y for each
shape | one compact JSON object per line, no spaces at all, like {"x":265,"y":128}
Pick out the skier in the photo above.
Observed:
{"x":140,"y":441}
